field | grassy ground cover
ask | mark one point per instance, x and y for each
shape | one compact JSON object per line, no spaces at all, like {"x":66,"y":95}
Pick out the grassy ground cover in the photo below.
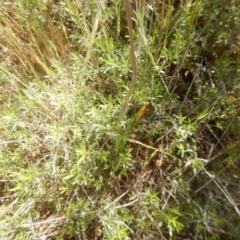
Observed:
{"x":119,"y":120}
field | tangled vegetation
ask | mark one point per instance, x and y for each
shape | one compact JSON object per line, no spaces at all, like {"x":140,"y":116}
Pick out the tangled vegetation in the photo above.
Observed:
{"x":119,"y":120}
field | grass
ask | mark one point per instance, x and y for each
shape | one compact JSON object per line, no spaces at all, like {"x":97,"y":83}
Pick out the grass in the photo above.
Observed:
{"x":119,"y":122}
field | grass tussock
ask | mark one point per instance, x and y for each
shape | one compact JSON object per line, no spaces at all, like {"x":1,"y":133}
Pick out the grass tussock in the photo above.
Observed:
{"x":119,"y":120}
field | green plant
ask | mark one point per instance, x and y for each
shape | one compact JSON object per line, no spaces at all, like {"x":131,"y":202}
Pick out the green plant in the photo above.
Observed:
{"x":119,"y":120}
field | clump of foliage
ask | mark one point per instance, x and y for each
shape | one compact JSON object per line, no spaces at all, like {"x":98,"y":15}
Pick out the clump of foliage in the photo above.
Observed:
{"x":119,"y":120}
